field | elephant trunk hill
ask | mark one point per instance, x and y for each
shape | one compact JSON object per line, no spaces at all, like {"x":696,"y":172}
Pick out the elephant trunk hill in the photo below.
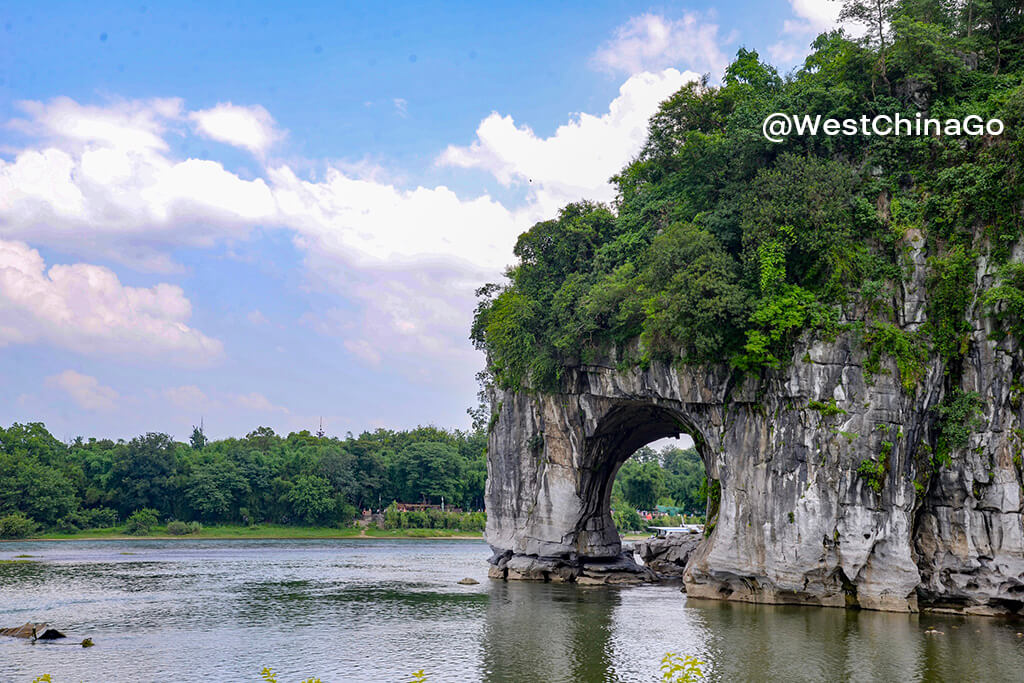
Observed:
{"x":836,"y":321}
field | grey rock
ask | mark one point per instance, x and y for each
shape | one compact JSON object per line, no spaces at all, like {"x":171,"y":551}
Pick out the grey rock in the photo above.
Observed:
{"x":796,"y":523}
{"x":667,"y":556}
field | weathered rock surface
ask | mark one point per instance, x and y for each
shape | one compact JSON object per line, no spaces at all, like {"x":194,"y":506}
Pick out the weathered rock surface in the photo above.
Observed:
{"x":610,"y":570}
{"x":795,"y":522}
{"x":667,"y":556}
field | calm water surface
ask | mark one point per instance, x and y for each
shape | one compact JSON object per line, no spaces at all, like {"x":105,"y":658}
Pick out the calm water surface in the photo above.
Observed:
{"x":381,"y":609}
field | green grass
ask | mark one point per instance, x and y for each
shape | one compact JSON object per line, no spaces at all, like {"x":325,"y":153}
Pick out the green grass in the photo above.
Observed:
{"x":263,"y":531}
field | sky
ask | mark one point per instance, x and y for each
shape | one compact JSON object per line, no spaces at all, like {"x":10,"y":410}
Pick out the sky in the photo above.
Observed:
{"x":277,"y":213}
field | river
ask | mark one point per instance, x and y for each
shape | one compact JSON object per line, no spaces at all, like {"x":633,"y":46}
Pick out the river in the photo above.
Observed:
{"x":362,"y":610}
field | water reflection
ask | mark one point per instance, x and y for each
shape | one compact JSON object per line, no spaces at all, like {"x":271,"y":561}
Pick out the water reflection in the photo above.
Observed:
{"x":379,"y":610}
{"x":548,"y":632}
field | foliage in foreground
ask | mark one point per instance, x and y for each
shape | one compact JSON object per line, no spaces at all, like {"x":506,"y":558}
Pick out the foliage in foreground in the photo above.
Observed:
{"x":681,"y":668}
{"x":674,"y":669}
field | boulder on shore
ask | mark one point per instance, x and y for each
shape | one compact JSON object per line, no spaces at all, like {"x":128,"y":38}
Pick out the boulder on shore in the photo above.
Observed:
{"x":668,"y":556}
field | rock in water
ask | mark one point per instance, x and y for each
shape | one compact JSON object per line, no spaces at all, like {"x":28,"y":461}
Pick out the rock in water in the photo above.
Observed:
{"x":469,"y":582}
{"x":791,"y":519}
{"x":32,"y":631}
{"x":668,"y":556}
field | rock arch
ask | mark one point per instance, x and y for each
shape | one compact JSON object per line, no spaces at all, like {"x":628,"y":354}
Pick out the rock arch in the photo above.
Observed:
{"x":797,"y":523}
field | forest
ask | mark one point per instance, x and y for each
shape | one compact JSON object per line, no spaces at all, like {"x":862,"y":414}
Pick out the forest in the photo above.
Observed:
{"x":722,"y":247}
{"x":300,"y":479}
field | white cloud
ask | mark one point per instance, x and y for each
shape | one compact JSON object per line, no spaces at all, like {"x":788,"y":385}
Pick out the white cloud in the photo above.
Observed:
{"x":121,"y":124}
{"x":104,"y":183}
{"x":651,"y":42}
{"x":85,"y":391}
{"x":786,"y":52}
{"x":811,"y":17}
{"x":408,"y":257}
{"x":86,"y":309}
{"x":259,"y":403}
{"x":355,"y":222}
{"x":577,"y":161}
{"x":401,"y":106}
{"x":251,"y":128}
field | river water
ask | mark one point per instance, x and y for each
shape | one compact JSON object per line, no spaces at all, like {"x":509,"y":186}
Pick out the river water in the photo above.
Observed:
{"x":369,"y":610}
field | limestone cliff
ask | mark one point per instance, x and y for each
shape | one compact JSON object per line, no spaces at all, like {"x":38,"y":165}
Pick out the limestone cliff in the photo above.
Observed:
{"x":796,"y":522}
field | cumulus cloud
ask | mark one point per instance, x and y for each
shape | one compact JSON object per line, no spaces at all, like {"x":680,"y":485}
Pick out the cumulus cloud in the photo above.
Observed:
{"x":85,"y":308}
{"x":810,"y":17}
{"x":813,"y":16}
{"x":103,"y":182}
{"x":365,"y":222}
{"x":651,"y":42}
{"x":85,"y":391}
{"x":251,"y":128}
{"x":579,"y":158}
{"x":121,"y":124}
{"x":106,"y":181}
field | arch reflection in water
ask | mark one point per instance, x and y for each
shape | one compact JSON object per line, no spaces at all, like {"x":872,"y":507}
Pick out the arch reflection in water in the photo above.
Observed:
{"x":548,"y":632}
{"x":564,"y":633}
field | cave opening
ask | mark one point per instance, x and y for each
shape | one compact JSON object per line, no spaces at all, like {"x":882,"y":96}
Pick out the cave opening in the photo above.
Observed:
{"x":650,"y":466}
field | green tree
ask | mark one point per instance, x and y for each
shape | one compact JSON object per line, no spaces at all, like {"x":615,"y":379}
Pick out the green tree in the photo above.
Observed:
{"x":311,"y":499}
{"x":144,"y":478}
{"x":198,"y":438}
{"x":643,"y":484}
{"x":428,"y":471}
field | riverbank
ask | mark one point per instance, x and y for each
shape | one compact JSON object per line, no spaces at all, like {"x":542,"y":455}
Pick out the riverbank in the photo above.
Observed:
{"x":261,"y":531}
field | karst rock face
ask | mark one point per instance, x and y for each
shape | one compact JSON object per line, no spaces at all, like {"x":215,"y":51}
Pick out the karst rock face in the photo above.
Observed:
{"x":796,"y":523}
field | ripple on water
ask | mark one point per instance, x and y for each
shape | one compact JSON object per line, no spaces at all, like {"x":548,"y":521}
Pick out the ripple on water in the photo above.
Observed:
{"x":381,"y":609}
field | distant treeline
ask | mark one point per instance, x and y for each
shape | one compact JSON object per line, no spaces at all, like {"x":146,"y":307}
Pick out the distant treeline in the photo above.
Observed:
{"x":297,"y":479}
{"x":301,"y":478}
{"x":672,"y":476}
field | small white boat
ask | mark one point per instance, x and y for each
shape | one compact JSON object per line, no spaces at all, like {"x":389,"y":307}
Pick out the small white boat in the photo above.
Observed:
{"x":663,"y":531}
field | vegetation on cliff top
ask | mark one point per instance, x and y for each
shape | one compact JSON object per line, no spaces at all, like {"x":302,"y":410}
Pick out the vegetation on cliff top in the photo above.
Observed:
{"x":724,"y":247}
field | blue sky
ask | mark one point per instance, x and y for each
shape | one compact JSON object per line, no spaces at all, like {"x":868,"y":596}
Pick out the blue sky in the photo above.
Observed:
{"x":260,"y":214}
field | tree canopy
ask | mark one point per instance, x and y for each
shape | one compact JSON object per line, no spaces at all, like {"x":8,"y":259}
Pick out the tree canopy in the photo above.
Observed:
{"x":263,"y":477}
{"x":723,"y":247}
